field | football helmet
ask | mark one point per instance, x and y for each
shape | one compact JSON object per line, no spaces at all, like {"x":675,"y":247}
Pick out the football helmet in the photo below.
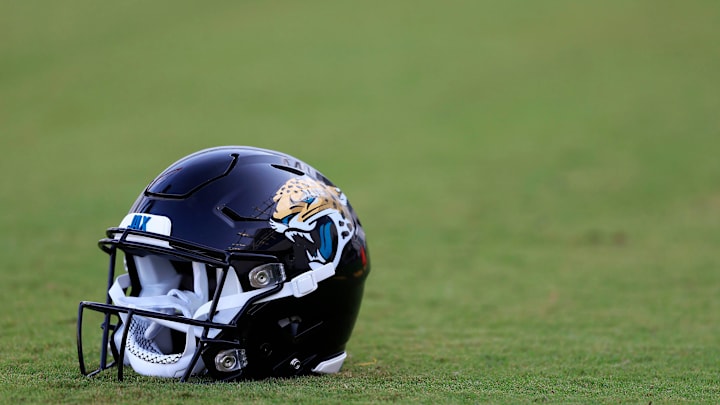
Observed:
{"x":239,"y":263}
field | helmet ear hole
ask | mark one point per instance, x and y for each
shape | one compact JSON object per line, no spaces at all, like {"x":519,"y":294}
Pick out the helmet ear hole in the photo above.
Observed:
{"x":291,"y":325}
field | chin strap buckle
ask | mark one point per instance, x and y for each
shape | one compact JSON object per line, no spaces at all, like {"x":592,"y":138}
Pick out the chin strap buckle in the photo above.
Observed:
{"x":305,"y":283}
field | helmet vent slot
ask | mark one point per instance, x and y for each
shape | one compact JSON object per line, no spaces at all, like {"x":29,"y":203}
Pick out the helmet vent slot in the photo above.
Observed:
{"x":292,"y":170}
{"x":230,"y":213}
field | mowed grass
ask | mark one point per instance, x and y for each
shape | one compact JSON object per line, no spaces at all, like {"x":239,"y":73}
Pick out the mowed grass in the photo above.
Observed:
{"x":539,"y":182}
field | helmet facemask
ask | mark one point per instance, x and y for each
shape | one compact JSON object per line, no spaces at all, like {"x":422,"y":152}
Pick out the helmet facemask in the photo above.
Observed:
{"x":173,"y":300}
{"x":166,"y":305}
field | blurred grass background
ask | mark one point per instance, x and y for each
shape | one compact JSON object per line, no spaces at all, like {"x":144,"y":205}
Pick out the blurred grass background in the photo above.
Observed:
{"x":539,"y":182}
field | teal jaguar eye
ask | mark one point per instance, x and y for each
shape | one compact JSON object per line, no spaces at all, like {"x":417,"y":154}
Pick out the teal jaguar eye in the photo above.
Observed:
{"x":309,"y":200}
{"x":287,"y":219}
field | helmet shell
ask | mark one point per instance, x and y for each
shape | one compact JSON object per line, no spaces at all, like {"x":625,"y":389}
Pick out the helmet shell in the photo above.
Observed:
{"x":244,"y":200}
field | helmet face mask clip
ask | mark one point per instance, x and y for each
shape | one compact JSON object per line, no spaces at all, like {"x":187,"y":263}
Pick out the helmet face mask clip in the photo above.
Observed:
{"x":257,"y":272}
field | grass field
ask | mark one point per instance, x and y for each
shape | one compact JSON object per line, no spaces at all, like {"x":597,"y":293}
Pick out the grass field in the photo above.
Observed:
{"x":539,"y":181}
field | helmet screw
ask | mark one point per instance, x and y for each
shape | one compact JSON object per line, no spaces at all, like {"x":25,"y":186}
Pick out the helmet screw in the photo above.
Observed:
{"x":261,"y":277}
{"x":295,"y":363}
{"x":228,"y":362}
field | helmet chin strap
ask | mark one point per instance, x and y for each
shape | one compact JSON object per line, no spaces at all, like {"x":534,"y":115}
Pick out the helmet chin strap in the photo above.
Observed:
{"x":300,"y":286}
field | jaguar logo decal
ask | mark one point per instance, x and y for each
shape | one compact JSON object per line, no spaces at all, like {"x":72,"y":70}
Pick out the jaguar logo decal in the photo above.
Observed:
{"x":316,"y":215}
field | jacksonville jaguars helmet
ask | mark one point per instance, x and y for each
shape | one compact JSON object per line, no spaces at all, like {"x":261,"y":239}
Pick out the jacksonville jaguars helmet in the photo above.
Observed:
{"x":238,"y":263}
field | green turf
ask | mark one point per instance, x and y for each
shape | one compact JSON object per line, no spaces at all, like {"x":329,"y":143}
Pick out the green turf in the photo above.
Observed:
{"x":539,"y":181}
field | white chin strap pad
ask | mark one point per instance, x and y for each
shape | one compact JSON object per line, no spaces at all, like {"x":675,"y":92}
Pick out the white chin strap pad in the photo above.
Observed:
{"x":144,"y":357}
{"x":142,"y":348}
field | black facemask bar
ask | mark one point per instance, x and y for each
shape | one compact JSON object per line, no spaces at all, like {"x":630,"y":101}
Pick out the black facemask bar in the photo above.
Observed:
{"x":181,"y":249}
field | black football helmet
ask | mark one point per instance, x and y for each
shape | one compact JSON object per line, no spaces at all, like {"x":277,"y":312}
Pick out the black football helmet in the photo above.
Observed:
{"x":240,"y":263}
